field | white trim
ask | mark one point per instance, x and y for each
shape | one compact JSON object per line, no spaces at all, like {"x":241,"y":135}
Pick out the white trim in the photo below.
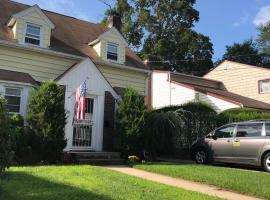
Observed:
{"x":39,"y":50}
{"x":116,"y":65}
{"x":29,"y":10}
{"x":18,"y":83}
{"x":40,"y":36}
{"x":109,"y":32}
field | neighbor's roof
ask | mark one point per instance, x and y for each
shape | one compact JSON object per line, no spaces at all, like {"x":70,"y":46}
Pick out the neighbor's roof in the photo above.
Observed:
{"x":217,"y":88}
{"x":70,"y":35}
{"x":17,"y":77}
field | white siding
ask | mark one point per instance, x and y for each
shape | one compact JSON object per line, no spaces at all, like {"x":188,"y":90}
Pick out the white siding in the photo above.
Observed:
{"x":165,"y":93}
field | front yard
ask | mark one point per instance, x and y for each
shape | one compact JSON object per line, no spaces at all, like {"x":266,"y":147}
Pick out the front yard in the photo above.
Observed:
{"x":243,"y":181}
{"x":84,"y":182}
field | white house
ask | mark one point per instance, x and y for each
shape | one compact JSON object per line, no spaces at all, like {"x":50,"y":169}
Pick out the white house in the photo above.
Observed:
{"x":169,"y":88}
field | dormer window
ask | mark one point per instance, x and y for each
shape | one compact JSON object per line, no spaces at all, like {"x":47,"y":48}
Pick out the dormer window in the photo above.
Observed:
{"x":32,"y":34}
{"x":112,"y":52}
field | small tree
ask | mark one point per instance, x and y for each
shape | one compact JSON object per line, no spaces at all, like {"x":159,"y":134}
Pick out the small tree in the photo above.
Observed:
{"x":47,"y":118}
{"x":6,"y":153}
{"x":131,"y":119}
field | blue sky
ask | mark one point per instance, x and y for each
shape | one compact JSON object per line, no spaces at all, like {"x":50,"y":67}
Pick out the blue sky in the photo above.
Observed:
{"x":224,"y":21}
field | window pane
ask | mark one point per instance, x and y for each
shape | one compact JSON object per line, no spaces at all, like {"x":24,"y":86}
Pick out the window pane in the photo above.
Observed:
{"x":33,"y":30}
{"x":265,"y":86}
{"x":89,"y":105}
{"x":32,"y":41}
{"x":267,"y":129}
{"x":112,"y":48}
{"x":13,"y":100}
{"x":225,"y":132}
{"x":13,"y":108}
{"x":112,"y":56}
{"x":13,"y":91}
{"x":249,"y":130}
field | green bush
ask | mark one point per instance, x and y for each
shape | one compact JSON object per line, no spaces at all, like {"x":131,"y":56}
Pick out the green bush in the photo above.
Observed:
{"x":6,"y":153}
{"x":172,"y":129}
{"x":241,"y":114}
{"x":131,"y":120}
{"x":46,"y":117}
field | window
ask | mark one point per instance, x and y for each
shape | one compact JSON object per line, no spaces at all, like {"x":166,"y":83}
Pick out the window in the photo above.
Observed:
{"x":225,"y":132}
{"x":112,"y":51}
{"x":264,"y":86}
{"x":267,"y":129}
{"x":249,"y":130}
{"x":32,"y":34}
{"x":13,"y":97}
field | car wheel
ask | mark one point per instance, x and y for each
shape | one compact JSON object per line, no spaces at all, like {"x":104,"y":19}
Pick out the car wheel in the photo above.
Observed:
{"x":201,"y":156}
{"x":266,"y":162}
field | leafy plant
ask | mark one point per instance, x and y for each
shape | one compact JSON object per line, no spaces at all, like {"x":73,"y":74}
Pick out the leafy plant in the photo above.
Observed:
{"x":46,"y":117}
{"x":131,"y":119}
{"x":6,"y":153}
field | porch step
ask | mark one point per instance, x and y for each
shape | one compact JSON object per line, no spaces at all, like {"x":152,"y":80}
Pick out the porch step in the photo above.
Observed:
{"x":114,"y":161}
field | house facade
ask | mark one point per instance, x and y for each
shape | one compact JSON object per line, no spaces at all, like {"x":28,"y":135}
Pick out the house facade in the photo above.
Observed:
{"x":246,"y":80}
{"x":38,"y":45}
{"x":169,"y":88}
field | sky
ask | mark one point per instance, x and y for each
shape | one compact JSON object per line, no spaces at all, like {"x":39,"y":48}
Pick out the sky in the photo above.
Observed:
{"x":224,"y":21}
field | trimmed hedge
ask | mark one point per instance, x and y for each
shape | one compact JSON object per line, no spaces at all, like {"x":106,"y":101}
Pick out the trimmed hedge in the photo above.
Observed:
{"x":241,"y":114}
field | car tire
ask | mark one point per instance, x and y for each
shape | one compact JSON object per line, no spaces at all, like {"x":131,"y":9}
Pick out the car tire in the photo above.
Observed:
{"x":201,"y":156}
{"x":266,"y":162}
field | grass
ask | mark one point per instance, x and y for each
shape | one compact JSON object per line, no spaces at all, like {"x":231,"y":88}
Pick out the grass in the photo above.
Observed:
{"x":84,"y":182}
{"x":243,"y":181}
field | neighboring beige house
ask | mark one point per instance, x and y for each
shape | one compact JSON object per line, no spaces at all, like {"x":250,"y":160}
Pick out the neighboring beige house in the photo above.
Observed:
{"x":246,"y":80}
{"x":168,"y":88}
{"x":38,"y":45}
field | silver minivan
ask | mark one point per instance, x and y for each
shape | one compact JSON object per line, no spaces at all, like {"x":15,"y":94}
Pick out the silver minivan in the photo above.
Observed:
{"x":240,"y":143}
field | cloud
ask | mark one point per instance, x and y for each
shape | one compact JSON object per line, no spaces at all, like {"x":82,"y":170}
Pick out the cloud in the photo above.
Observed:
{"x":65,"y":7}
{"x":242,"y":20}
{"x":263,"y":16}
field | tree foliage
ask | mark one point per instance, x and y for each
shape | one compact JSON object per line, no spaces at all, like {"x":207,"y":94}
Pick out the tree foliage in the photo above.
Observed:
{"x":6,"y":153}
{"x":46,"y":117}
{"x":168,"y":38}
{"x":264,"y":38}
{"x":246,"y":52}
{"x":131,"y":119}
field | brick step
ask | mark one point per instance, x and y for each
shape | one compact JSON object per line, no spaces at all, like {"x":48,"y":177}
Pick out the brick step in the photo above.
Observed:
{"x":115,"y":161}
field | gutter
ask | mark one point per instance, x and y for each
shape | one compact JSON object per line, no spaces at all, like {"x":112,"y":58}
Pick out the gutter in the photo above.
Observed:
{"x":99,"y":62}
{"x":39,"y":50}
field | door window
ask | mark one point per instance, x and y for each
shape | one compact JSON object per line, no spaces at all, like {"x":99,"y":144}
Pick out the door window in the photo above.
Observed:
{"x":225,"y":132}
{"x":249,"y":130}
{"x":267,"y":129}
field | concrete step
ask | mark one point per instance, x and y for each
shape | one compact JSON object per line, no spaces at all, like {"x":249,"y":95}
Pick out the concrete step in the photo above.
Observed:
{"x":115,"y":161}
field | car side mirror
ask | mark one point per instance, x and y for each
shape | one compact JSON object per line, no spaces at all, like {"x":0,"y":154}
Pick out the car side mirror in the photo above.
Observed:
{"x":214,"y":137}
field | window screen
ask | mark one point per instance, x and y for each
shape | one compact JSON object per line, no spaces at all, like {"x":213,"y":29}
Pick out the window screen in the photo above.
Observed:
{"x":112,"y":52}
{"x":32,"y":35}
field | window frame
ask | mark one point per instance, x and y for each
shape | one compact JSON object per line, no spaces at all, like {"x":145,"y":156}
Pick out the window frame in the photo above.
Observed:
{"x":259,"y":86}
{"x":117,"y":53}
{"x":40,"y":36}
{"x":5,"y":94}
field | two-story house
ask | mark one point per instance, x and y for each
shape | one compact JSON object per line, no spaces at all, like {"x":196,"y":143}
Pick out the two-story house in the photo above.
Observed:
{"x":38,"y":45}
{"x":246,"y":80}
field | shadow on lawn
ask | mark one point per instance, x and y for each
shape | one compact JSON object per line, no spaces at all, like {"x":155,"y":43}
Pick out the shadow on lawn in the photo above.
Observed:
{"x":23,"y":186}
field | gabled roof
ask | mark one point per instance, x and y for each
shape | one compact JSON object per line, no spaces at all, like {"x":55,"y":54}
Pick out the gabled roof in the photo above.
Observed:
{"x":70,"y":35}
{"x":26,"y":12}
{"x":217,"y":89}
{"x":7,"y":75}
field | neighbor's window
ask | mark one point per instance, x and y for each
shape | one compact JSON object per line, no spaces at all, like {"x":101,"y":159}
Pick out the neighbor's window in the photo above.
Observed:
{"x":249,"y":130}
{"x":112,"y":51}
{"x":264,"y":86}
{"x":13,"y":97}
{"x":32,"y":34}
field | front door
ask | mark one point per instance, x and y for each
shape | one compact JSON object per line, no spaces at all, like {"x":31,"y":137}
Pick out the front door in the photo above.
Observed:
{"x":82,"y":130}
{"x":221,"y":146}
{"x":248,"y":143}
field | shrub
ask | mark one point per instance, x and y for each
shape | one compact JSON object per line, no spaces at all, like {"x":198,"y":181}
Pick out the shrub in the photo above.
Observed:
{"x":241,"y":114}
{"x":131,"y":120}
{"x":47,"y":119}
{"x":6,"y":153}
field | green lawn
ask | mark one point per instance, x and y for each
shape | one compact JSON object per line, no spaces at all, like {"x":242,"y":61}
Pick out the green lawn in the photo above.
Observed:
{"x":84,"y":182}
{"x":249,"y":182}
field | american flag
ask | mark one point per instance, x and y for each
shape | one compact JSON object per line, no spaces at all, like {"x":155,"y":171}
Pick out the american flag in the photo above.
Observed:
{"x":80,"y":101}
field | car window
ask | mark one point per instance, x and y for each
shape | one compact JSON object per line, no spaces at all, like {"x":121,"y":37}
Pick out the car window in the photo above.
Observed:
{"x":267,"y":129}
{"x":249,"y":130}
{"x":225,"y":132}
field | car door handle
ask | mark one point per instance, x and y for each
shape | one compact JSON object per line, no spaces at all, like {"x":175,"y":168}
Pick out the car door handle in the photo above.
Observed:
{"x":236,"y":140}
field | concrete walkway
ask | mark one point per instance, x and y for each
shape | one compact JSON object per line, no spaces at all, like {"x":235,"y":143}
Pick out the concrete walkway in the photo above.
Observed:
{"x":177,"y":182}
